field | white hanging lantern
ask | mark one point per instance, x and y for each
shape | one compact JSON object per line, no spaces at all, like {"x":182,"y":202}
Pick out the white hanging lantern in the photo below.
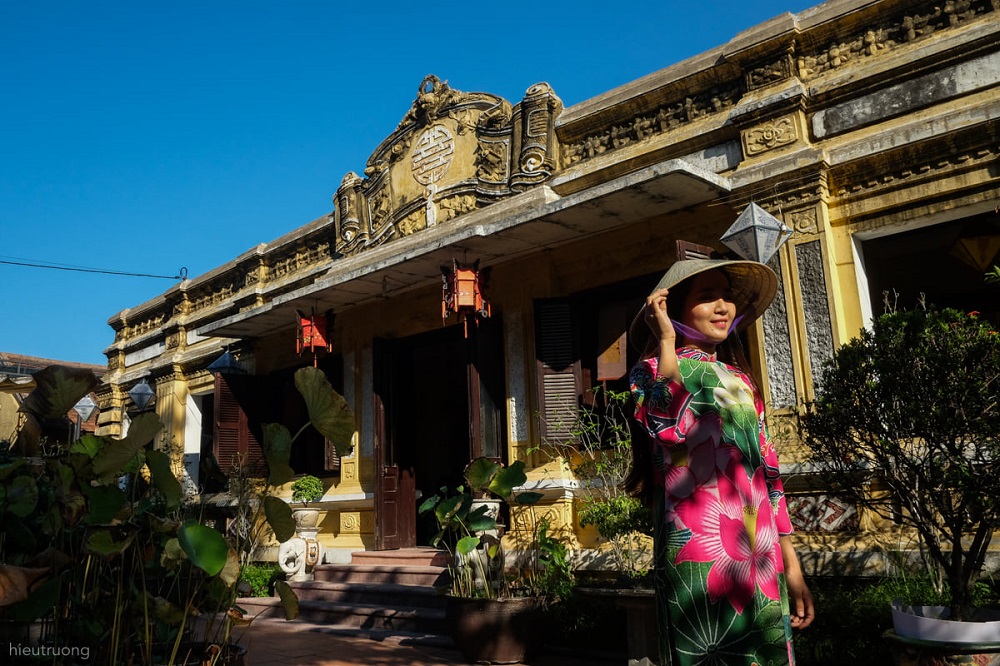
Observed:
{"x":756,"y":234}
{"x":141,"y":394}
{"x":84,"y":407}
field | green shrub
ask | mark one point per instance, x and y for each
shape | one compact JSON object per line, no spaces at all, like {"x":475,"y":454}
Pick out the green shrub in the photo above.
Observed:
{"x":307,"y":489}
{"x":261,"y":577}
{"x":913,"y":405}
{"x":853,"y":613}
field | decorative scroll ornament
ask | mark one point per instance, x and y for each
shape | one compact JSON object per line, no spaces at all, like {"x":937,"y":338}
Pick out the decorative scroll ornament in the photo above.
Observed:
{"x":462,"y":293}
{"x":756,"y":235}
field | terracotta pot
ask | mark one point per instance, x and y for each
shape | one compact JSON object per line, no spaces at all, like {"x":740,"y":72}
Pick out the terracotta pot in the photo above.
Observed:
{"x":641,"y":627}
{"x":496,"y":631}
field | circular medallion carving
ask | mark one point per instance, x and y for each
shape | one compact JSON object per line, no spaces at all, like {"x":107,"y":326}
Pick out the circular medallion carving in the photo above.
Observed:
{"x":432,"y":155}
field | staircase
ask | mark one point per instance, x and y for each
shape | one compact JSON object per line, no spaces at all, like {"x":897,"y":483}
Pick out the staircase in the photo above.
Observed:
{"x":390,"y":591}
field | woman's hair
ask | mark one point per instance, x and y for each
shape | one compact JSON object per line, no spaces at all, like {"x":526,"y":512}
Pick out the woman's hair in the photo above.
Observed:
{"x":639,"y":481}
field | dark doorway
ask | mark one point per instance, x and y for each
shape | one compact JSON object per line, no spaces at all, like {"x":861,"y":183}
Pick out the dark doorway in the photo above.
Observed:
{"x":439,"y":402}
{"x":944,"y":264}
{"x":430,"y":419}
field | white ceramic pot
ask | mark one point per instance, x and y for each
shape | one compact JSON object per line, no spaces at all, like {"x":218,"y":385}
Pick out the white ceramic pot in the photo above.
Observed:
{"x":931,"y":623}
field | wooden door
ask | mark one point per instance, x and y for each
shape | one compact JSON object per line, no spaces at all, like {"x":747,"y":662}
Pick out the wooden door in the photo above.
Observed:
{"x":486,"y":387}
{"x":395,"y":492}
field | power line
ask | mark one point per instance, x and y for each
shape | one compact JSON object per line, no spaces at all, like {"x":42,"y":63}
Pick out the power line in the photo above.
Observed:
{"x":29,"y":263}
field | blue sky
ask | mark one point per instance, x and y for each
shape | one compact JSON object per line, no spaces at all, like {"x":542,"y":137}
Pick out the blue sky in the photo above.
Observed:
{"x":146,"y":136}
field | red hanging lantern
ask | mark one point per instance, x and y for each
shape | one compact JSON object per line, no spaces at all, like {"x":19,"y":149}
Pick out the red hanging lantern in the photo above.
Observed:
{"x":462,"y":293}
{"x":313,"y":333}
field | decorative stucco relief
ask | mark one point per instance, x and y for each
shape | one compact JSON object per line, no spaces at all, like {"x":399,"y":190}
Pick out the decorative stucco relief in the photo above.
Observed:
{"x":256,"y":273}
{"x":412,"y":223}
{"x":803,"y":221}
{"x":665,"y":119}
{"x":815,"y":307}
{"x":153,"y":323}
{"x":918,"y":20}
{"x":538,"y":154}
{"x":778,"y":347}
{"x":350,"y":522}
{"x":767,"y":73}
{"x":451,"y":153}
{"x":492,"y":161}
{"x":770,"y":135}
{"x":296,"y":259}
{"x":456,"y":205}
{"x":216,"y":293}
{"x":808,"y":56}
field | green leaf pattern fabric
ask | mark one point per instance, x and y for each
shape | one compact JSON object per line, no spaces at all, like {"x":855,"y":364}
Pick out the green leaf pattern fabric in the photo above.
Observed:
{"x":720,"y":588}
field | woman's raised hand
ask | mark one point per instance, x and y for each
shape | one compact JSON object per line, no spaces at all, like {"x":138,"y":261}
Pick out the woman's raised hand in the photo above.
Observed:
{"x":657,"y":318}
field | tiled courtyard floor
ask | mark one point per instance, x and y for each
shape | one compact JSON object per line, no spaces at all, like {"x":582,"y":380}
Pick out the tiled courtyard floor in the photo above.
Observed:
{"x":273,"y":642}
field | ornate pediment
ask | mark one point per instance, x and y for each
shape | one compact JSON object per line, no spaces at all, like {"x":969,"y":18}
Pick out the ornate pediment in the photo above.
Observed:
{"x":452,"y":152}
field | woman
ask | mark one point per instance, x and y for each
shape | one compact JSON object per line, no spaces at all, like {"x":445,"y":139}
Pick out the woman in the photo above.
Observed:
{"x":729,"y":586}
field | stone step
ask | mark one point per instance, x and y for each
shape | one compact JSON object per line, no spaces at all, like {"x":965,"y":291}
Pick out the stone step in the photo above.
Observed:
{"x":374,"y":594}
{"x":431,"y":576}
{"x":403,"y":557}
{"x":366,"y":617}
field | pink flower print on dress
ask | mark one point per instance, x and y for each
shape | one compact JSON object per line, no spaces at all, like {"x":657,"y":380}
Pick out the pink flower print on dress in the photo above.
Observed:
{"x":735,"y":531}
{"x":697,"y":461}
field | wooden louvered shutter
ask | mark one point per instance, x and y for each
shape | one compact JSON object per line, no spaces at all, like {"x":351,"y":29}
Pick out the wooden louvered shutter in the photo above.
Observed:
{"x":331,"y":461}
{"x":234,"y":443}
{"x":689,"y":250}
{"x":559,"y":372}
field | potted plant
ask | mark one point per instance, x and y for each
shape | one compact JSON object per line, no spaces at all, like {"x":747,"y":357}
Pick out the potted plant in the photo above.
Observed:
{"x":305,"y":489}
{"x":128,"y":565}
{"x":495,"y":612}
{"x":599,"y":456}
{"x":907,"y":425}
{"x":299,"y":556}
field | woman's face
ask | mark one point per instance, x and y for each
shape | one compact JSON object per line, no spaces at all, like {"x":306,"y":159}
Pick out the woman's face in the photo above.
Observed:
{"x":709,"y":309}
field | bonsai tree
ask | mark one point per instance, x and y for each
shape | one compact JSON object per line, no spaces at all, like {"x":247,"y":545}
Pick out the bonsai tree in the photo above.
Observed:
{"x":473,"y":536}
{"x":907,"y":424}
{"x":307,"y":489}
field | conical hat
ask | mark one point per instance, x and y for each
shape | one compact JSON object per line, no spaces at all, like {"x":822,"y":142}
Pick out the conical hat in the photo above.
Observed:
{"x":752,"y":284}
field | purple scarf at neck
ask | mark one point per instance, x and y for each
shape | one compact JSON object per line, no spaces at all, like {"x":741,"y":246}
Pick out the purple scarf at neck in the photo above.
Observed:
{"x":696,"y":336}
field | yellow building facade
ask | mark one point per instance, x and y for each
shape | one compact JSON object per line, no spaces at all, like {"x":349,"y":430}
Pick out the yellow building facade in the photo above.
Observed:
{"x":870,"y":128}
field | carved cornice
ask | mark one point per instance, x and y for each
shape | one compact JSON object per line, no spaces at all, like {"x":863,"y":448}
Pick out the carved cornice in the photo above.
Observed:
{"x":912,"y":22}
{"x":807,"y":55}
{"x":151,"y":323}
{"x":289,"y":260}
{"x":807,"y":187}
{"x":772,"y":71}
{"x":914,"y":163}
{"x":229,"y":288}
{"x":675,"y":115}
